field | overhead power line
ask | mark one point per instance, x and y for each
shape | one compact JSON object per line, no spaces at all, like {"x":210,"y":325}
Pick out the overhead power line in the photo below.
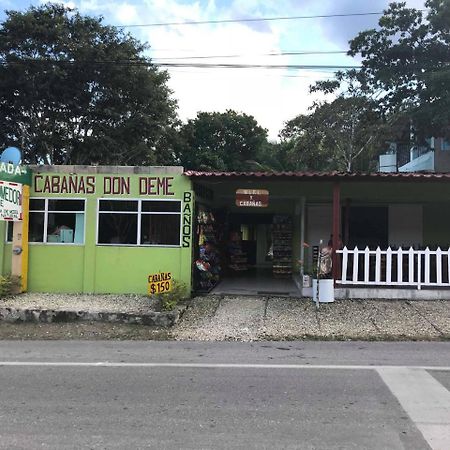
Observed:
{"x":131,"y":62}
{"x":252,"y":19}
{"x":253,"y":55}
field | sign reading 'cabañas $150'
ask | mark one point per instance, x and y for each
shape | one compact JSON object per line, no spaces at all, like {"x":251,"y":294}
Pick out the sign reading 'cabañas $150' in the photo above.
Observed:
{"x":159,"y":283}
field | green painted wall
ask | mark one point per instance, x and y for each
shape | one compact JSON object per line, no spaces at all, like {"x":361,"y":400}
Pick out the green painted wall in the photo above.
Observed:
{"x":93,"y":268}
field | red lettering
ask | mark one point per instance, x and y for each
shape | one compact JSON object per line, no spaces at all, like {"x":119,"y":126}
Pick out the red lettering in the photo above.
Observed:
{"x":90,"y":183}
{"x":36,"y":178}
{"x":64,"y":185}
{"x":142,"y":186}
{"x":81,"y":186}
{"x":151,"y":186}
{"x":169,"y":186}
{"x":73,"y":188}
{"x":107,"y":185}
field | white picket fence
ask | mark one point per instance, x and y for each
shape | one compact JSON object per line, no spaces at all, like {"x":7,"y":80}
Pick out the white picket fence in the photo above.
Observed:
{"x":402,"y":267}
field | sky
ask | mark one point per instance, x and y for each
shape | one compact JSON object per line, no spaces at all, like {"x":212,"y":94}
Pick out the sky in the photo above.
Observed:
{"x":272,"y":96}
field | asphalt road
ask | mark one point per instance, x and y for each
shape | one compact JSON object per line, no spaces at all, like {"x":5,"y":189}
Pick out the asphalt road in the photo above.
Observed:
{"x":188,"y":395}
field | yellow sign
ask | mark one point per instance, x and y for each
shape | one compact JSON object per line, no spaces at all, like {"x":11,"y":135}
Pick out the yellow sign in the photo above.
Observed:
{"x":159,"y":283}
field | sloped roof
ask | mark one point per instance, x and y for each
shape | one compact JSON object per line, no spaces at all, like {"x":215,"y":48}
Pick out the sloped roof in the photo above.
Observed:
{"x":334,"y":175}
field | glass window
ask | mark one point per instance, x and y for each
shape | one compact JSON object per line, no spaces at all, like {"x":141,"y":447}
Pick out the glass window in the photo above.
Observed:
{"x":117,"y":228}
{"x":160,"y":229}
{"x":36,"y":227}
{"x":139,"y":222}
{"x":161,"y":206}
{"x":9,"y":231}
{"x":118,"y":205}
{"x":57,"y":221}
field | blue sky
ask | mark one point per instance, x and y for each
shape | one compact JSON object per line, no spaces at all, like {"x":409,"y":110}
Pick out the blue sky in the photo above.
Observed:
{"x":271,"y":96}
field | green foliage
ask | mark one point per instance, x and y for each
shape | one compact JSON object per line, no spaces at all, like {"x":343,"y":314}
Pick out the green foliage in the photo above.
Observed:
{"x":9,"y":285}
{"x":405,"y":67}
{"x":220,"y":141}
{"x":342,"y":135}
{"x":170,"y":300}
{"x":74,"y":91}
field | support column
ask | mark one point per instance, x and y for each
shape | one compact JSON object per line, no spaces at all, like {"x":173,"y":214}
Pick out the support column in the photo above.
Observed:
{"x":302,"y":236}
{"x":336,"y":227}
{"x":19,"y":264}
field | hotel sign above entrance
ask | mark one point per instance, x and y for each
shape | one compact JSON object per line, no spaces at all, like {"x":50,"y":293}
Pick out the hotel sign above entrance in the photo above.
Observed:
{"x":252,"y":198}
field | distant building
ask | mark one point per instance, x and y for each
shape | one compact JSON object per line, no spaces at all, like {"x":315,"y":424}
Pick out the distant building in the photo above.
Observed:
{"x":432,"y":157}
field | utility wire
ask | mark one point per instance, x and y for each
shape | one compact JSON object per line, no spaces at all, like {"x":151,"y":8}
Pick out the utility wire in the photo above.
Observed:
{"x":250,"y":55}
{"x":196,"y":65}
{"x":251,"y":19}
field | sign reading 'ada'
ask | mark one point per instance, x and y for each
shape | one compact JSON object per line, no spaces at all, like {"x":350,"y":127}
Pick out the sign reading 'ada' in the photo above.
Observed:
{"x":10,"y":201}
{"x":253,"y":198}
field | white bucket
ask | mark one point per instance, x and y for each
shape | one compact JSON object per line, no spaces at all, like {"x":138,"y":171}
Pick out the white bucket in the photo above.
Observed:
{"x":326,"y":290}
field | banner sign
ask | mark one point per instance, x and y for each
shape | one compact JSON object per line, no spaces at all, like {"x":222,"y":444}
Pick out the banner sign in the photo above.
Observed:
{"x":159,"y":283}
{"x":253,"y":198}
{"x":15,"y":174}
{"x":10,"y":201}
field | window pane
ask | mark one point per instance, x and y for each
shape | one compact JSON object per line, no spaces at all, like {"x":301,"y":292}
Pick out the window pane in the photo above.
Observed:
{"x":36,"y":227}
{"x":66,"y":205}
{"x":118,"y":205}
{"x":161,"y":206}
{"x":160,"y":229}
{"x":65,"y":228}
{"x":117,"y":228}
{"x":37,"y":204}
{"x":9,"y":231}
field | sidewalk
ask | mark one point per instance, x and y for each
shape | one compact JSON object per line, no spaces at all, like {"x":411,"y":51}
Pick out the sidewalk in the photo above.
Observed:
{"x":255,"y":318}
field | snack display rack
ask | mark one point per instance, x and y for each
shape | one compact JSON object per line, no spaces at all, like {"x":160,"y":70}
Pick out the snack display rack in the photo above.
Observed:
{"x":207,"y":265}
{"x":282,"y":246}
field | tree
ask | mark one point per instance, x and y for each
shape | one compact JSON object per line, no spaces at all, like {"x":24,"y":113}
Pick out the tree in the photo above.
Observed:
{"x":74,"y":91}
{"x":342,"y":135}
{"x":405,"y":65}
{"x":220,"y":141}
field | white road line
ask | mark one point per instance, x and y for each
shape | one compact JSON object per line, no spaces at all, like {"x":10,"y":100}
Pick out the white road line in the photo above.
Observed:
{"x":214,"y":365}
{"x":425,"y":400}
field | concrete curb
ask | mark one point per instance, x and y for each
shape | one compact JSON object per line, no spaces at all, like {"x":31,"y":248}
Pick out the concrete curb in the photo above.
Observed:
{"x":163,"y":319}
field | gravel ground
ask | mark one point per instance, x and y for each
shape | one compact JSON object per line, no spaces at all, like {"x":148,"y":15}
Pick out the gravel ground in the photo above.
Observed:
{"x":82,"y":302}
{"x":242,"y":318}
{"x":256,"y":318}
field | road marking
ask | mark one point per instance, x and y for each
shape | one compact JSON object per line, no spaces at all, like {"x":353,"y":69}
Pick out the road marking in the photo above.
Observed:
{"x":424,"y":399}
{"x":215,"y":365}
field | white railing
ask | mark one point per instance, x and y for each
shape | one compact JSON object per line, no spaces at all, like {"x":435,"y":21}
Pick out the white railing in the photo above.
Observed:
{"x":395,"y":267}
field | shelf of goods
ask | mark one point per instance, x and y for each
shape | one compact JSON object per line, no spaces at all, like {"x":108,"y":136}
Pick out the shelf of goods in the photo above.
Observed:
{"x":282,"y":248}
{"x":208,"y":262}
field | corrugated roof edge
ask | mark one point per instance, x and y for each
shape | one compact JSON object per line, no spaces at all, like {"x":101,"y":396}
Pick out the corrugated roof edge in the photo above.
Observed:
{"x":324,"y":175}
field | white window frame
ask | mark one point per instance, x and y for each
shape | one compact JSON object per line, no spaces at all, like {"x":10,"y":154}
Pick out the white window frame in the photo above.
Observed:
{"x":139,"y":214}
{"x":46,"y":212}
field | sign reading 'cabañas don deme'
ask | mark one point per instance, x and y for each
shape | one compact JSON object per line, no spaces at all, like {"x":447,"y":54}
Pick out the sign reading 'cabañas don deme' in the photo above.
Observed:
{"x":10,"y":201}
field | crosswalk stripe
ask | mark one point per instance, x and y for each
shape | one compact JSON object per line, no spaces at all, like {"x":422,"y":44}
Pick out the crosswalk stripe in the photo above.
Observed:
{"x":424,"y":399}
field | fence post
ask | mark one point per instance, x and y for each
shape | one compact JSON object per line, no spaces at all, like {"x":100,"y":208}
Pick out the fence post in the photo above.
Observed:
{"x":427,"y":266}
{"x":378,"y":265}
{"x":400,"y":265}
{"x":411,"y":265}
{"x":366,"y":265}
{"x":388,"y":265}
{"x":344,"y":264}
{"x":419,"y":269}
{"x":439,"y":265}
{"x":356,"y":262}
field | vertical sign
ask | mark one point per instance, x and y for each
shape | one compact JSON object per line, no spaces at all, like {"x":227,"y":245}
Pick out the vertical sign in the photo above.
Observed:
{"x":10,"y":201}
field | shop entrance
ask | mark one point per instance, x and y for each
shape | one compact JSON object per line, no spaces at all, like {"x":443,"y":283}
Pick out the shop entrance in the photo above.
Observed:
{"x":244,"y":253}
